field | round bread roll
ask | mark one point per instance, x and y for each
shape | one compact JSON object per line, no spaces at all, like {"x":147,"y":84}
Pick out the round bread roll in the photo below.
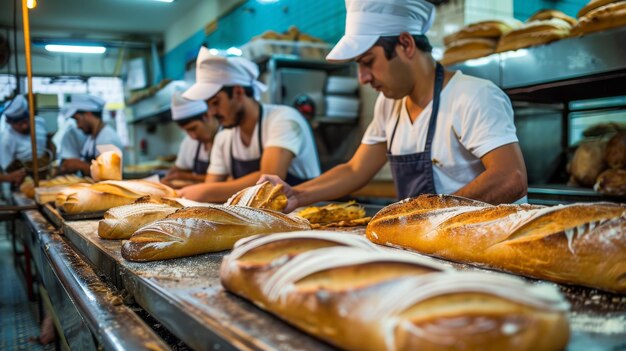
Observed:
{"x":466,"y":49}
{"x":605,"y":17}
{"x":592,"y":5}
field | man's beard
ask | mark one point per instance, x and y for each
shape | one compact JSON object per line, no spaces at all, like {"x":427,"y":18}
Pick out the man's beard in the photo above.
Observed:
{"x":238,"y":118}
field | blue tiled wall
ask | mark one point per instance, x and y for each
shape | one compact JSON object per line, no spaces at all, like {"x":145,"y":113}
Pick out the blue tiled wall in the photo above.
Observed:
{"x":323,"y":19}
{"x":522,"y":9}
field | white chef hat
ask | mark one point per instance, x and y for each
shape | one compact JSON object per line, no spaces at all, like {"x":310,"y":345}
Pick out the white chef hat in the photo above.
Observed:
{"x":368,"y":20}
{"x":16,"y":109}
{"x":214,"y":72}
{"x":67,"y":112}
{"x":183,"y":109}
{"x":85,"y":102}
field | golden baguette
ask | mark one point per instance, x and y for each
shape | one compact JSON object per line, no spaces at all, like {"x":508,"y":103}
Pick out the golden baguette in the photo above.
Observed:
{"x":264,"y":195}
{"x":602,"y":18}
{"x":346,"y":291}
{"x":121,"y":222}
{"x":81,"y":198}
{"x":534,"y":33}
{"x":197,"y":230}
{"x":581,"y":244}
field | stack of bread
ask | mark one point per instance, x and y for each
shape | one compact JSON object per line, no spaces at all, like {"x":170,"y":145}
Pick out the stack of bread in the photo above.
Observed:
{"x":601,"y":163}
{"x":583,"y":243}
{"x":475,"y":40}
{"x":357,"y":296}
{"x":89,"y":198}
{"x":50,"y":186}
{"x":599,"y":15}
{"x":543,"y":27}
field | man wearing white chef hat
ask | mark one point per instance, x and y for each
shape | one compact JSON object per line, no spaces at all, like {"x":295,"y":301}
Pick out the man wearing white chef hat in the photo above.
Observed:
{"x":15,"y":145}
{"x":257,"y":138}
{"x":193,"y":156}
{"x":87,"y":111}
{"x":441,"y":131}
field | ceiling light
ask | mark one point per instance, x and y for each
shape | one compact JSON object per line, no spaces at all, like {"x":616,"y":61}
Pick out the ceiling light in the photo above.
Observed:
{"x":82,"y":49}
{"x":164,"y":0}
{"x":31,"y":4}
{"x":233,"y":51}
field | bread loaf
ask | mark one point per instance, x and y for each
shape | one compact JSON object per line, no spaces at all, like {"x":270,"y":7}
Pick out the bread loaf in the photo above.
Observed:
{"x":592,"y":5}
{"x":588,"y":162}
{"x":537,"y":32}
{"x":484,"y":30}
{"x":28,"y":186}
{"x":197,"y":230}
{"x":81,"y":198}
{"x":107,"y":166}
{"x":466,"y":49}
{"x":543,"y":15}
{"x":611,"y":182}
{"x":356,"y":296}
{"x":602,"y":18}
{"x":264,"y":195}
{"x":121,"y":222}
{"x":615,"y":153}
{"x":582,"y":243}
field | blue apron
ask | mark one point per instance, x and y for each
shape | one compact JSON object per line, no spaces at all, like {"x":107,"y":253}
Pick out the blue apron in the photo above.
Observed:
{"x":413,"y":173}
{"x":90,"y":156}
{"x":199,"y":167}
{"x":241,"y":168}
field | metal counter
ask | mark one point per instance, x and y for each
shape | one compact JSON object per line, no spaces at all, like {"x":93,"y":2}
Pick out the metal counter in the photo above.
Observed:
{"x":92,"y":316}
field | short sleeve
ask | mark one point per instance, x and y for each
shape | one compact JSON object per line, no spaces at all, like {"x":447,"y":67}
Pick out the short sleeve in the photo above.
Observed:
{"x":285,"y":132}
{"x":220,"y":154}
{"x":376,"y":132}
{"x":182,"y":159}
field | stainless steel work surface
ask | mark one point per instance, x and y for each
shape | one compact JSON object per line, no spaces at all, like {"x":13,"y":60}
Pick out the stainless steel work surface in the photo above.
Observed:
{"x":186,"y":296}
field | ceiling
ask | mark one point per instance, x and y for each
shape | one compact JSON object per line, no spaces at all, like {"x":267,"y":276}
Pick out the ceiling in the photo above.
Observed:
{"x":98,"y":18}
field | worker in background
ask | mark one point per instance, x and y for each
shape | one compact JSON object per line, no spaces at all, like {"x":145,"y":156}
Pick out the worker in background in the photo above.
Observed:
{"x":257,"y":138}
{"x":87,"y":111}
{"x":69,"y":139}
{"x":193,"y":156}
{"x":15,"y":144}
{"x":441,"y":131}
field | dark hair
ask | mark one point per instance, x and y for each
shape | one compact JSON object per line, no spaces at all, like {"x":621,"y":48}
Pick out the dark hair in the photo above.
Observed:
{"x":388,"y":43}
{"x":97,"y":114}
{"x":229,"y":91}
{"x":184,"y":122}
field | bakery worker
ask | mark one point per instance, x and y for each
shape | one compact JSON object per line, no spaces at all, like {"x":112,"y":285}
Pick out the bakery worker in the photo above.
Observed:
{"x":256,"y":139}
{"x":15,"y":145}
{"x":193,"y":156}
{"x":441,"y":131}
{"x":87,"y":111}
{"x":71,"y":138}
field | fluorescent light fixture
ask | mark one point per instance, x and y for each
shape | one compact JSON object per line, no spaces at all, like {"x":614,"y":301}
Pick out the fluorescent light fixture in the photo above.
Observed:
{"x":234,"y":51}
{"x":81,"y":49}
{"x":168,"y":1}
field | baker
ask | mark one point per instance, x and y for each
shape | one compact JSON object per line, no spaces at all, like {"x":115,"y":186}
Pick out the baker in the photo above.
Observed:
{"x":87,"y":111}
{"x":193,"y":159}
{"x":256,"y":138}
{"x":441,"y":131}
{"x":70,"y":138}
{"x":15,"y":144}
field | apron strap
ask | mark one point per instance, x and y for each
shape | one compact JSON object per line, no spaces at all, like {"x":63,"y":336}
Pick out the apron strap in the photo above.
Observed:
{"x":396,"y":111}
{"x":435,"y":112}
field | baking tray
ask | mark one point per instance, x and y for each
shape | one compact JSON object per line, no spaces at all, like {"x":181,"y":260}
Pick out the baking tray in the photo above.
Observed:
{"x":81,"y":216}
{"x":186,"y":296}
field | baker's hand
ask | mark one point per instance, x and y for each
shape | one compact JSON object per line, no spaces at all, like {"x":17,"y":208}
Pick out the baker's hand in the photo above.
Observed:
{"x":71,"y":165}
{"x":194,"y":192}
{"x":16,"y":177}
{"x":292,"y":200}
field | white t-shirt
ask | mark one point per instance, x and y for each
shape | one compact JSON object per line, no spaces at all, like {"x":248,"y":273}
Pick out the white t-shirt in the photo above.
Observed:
{"x":187,"y":154}
{"x":72,"y":142}
{"x":106,"y":136}
{"x":16,"y":146}
{"x":282,"y":127}
{"x":475,"y":117}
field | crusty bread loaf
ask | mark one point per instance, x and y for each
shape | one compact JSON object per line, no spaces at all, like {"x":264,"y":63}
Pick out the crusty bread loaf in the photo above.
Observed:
{"x":615,"y":153}
{"x":543,"y":15}
{"x":611,"y":182}
{"x":465,"y":49}
{"x":121,"y":222}
{"x":360,"y":297}
{"x":197,"y":230}
{"x":264,"y":195}
{"x":592,"y":5}
{"x":581,"y":243}
{"x":28,"y":186}
{"x":107,"y":166}
{"x":484,"y":30}
{"x":82,"y":198}
{"x":537,"y":32}
{"x":602,"y":18}
{"x":588,"y":162}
